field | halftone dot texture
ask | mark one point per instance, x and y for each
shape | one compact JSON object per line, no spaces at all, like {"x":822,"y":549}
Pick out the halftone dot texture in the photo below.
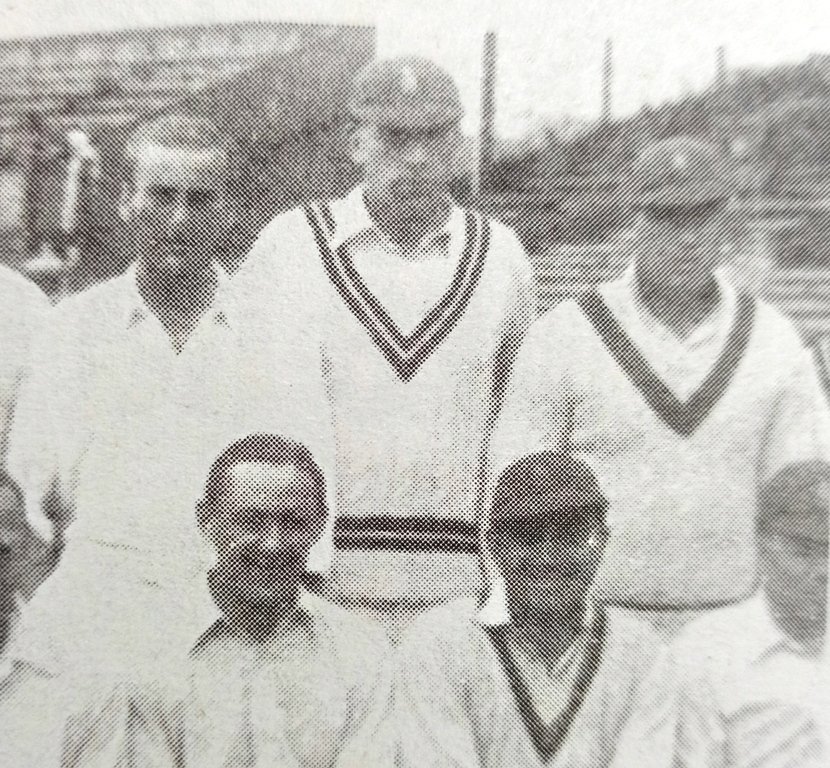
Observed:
{"x":677,"y":431}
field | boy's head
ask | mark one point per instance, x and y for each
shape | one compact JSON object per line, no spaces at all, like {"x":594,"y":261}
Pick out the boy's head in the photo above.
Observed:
{"x":548,"y":531}
{"x":792,"y":526}
{"x":264,"y":507}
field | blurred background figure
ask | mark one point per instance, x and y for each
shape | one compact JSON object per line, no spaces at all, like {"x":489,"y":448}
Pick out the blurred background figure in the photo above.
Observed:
{"x":82,"y":173}
{"x":61,"y":188}
{"x":744,"y":686}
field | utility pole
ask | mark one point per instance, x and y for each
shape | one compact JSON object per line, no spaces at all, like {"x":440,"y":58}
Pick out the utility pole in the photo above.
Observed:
{"x":721,"y":74}
{"x":607,"y":81}
{"x":488,"y":114}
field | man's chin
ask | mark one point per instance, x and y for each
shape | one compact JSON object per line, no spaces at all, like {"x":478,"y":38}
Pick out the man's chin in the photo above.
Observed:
{"x":272,"y":587}
{"x":554,"y":593}
{"x":178,"y":267}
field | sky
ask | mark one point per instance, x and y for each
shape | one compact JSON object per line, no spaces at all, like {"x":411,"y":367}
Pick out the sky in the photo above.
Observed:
{"x":549,"y":53}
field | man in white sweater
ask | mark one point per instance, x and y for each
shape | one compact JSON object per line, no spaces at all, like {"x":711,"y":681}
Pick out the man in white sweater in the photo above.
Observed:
{"x":419,"y":305}
{"x":681,"y":392}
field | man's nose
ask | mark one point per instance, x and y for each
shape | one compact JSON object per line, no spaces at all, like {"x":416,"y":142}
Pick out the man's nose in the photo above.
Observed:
{"x":273,"y":540}
{"x":179,"y":216}
{"x":550,"y":551}
{"x":416,"y":153}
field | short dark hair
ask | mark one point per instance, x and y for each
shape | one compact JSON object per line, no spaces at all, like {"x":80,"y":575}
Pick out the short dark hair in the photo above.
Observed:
{"x":545,"y":477}
{"x":177,"y":129}
{"x":265,"y":449}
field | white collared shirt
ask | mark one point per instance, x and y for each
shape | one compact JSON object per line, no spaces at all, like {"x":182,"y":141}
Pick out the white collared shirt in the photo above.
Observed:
{"x":130,"y":428}
{"x":681,"y":504}
{"x":107,"y":388}
{"x":732,"y":691}
{"x":316,"y":692}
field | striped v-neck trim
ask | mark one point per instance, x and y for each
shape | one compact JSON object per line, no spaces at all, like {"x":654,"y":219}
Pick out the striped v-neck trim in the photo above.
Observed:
{"x":405,"y":352}
{"x":683,"y":417}
{"x":548,"y":738}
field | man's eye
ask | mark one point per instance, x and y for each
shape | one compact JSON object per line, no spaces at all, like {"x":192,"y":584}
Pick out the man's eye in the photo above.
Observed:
{"x":199,"y":199}
{"x":522,"y":534}
{"x":395,"y":137}
{"x":163,"y":195}
{"x":296,"y":523}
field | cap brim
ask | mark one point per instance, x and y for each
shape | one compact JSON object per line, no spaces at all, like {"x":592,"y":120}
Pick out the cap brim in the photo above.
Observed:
{"x":408,"y":118}
{"x":680,"y":197}
{"x":574,"y":505}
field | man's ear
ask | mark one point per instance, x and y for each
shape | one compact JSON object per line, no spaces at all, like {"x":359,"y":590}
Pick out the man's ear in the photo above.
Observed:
{"x":204,"y":516}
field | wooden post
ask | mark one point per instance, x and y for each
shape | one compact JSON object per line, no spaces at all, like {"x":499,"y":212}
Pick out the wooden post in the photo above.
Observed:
{"x":607,"y":81}
{"x":488,"y":115}
{"x":720,"y":69}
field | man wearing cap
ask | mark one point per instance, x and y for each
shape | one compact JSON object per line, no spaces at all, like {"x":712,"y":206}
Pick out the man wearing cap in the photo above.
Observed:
{"x":680,"y":391}
{"x":419,"y":305}
{"x":742,"y":686}
{"x":560,"y":672}
{"x":137,"y":382}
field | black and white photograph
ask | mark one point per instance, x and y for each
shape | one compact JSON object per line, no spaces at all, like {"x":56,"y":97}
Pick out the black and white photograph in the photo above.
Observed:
{"x":414,"y":384}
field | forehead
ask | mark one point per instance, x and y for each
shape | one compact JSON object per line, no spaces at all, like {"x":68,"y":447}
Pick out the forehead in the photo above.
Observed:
{"x":552,"y":518}
{"x":256,"y":480}
{"x":157,"y":164}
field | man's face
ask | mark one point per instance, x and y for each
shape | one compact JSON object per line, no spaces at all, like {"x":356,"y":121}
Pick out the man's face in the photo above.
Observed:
{"x":263,"y":528}
{"x":175,"y":208}
{"x":794,"y":561}
{"x":549,"y":560}
{"x":410,"y":169}
{"x":679,"y":246}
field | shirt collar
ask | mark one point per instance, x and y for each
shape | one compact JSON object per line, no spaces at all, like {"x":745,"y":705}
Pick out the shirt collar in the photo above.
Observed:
{"x":721,"y":318}
{"x":351,"y":219}
{"x":136,"y":311}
